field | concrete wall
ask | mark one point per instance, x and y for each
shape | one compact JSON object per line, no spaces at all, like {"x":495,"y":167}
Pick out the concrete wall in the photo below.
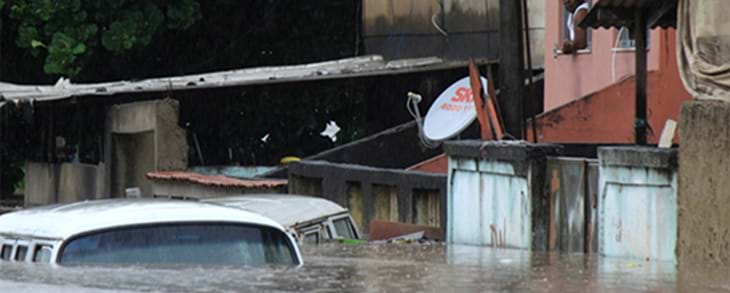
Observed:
{"x":496,"y":194}
{"x":143,"y":137}
{"x":404,"y":28}
{"x":374,"y":193}
{"x":704,"y":188}
{"x":638,"y":203}
{"x":59,"y":183}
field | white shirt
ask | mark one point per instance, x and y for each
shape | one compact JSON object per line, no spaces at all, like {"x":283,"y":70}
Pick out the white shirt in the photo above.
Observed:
{"x":569,"y":22}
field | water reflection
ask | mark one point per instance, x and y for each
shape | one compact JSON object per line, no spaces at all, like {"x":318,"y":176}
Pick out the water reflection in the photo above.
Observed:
{"x":377,"y":268}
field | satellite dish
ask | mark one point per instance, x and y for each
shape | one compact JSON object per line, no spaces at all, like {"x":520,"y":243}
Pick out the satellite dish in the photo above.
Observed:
{"x":452,"y":111}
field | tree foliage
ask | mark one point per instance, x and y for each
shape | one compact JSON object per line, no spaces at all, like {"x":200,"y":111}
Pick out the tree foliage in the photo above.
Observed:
{"x":67,"y":33}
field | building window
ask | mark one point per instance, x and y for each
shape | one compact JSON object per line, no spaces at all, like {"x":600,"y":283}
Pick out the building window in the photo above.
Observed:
{"x":565,"y":29}
{"x":624,"y":40}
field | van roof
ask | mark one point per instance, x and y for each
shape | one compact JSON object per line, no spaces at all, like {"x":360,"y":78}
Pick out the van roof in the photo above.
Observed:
{"x":66,"y":220}
{"x":287,"y":209}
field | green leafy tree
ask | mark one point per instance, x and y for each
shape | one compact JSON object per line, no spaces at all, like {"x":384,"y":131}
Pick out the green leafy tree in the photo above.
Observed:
{"x":67,"y":33}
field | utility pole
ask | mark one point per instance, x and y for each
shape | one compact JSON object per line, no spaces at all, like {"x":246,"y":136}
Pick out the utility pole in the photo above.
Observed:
{"x":640,"y":122}
{"x":511,"y":67}
{"x":1,"y":44}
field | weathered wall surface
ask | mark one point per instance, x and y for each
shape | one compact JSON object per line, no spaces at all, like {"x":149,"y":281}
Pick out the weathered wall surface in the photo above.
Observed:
{"x":41,"y":187}
{"x":374,"y":193}
{"x":405,"y":28}
{"x":497,"y":194}
{"x":170,"y":139}
{"x":489,"y":204}
{"x":606,"y":116}
{"x":143,"y":137}
{"x":58,"y":183}
{"x":132,"y":157}
{"x":704,"y":188}
{"x":638,"y":203}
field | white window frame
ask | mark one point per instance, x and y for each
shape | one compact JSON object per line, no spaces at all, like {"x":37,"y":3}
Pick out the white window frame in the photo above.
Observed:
{"x":42,"y":243}
{"x":314,"y":229}
{"x":16,"y":248}
{"x":11,"y":242}
{"x":331,"y":226}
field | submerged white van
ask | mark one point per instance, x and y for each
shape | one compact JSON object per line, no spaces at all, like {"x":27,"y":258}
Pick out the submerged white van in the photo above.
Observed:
{"x":146,"y":232}
{"x":309,"y":219}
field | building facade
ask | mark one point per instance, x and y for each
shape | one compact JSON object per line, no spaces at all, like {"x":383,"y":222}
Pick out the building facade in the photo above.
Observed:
{"x":589,"y":95}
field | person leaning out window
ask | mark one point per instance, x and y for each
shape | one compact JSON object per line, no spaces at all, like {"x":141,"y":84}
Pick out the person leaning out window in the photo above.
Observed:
{"x":576,"y":37}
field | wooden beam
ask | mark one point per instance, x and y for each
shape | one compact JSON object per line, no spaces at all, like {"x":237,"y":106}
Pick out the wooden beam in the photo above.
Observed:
{"x":492,"y":104}
{"x":485,"y":129}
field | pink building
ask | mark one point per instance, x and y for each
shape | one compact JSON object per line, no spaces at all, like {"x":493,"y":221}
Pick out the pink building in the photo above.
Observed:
{"x":589,"y":95}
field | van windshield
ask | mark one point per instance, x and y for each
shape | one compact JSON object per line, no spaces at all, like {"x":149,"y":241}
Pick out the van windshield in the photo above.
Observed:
{"x":206,"y":244}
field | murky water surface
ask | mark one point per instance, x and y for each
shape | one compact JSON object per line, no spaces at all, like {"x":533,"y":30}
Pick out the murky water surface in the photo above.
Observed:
{"x":385,"y":268}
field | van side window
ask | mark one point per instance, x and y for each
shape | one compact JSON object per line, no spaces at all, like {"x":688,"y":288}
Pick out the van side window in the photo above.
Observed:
{"x":21,"y":252}
{"x":311,"y":237}
{"x":6,"y":251}
{"x":42,"y":253}
{"x":343,"y":228}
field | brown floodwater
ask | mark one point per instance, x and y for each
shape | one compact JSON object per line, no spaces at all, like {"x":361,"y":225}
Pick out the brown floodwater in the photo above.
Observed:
{"x":385,"y":268}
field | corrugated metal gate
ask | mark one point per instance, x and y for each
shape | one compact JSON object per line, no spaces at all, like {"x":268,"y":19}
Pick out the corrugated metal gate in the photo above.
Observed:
{"x":638,"y":204}
{"x":573,"y":187}
{"x":488,"y":204}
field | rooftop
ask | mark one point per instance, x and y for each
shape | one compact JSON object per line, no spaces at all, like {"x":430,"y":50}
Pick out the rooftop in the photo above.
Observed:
{"x":620,"y":13}
{"x":370,"y":65}
{"x":286,"y":209}
{"x":66,"y":220}
{"x":215,"y":180}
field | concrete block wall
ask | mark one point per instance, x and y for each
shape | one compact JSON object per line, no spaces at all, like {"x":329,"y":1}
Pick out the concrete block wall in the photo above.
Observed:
{"x":61,"y":183}
{"x":704,"y":182}
{"x":143,"y":137}
{"x":370,"y":193}
{"x":638,"y":203}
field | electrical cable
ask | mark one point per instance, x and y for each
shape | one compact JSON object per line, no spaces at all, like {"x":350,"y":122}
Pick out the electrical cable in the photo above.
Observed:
{"x":437,"y":27}
{"x":412,"y":105}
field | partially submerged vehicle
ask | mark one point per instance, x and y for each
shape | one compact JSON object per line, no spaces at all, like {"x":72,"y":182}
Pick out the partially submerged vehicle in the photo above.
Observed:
{"x":146,"y":232}
{"x":309,"y":219}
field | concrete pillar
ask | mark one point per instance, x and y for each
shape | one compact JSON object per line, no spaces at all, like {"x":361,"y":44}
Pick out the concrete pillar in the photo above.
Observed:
{"x":704,"y":185}
{"x":144,"y":137}
{"x":496,"y":195}
{"x":637,"y":202}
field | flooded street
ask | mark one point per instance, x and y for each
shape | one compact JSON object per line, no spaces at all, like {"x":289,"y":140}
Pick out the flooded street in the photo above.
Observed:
{"x":384,"y":268}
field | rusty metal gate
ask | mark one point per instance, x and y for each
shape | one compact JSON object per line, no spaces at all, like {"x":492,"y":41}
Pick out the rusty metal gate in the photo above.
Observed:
{"x":572,"y":185}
